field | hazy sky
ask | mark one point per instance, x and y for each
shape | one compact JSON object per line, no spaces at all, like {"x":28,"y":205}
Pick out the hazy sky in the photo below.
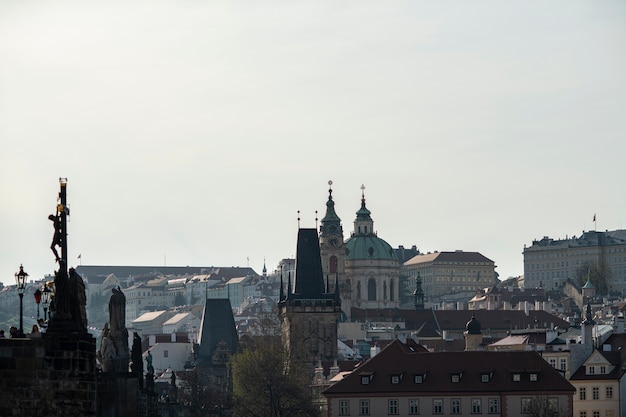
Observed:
{"x":191,"y":132}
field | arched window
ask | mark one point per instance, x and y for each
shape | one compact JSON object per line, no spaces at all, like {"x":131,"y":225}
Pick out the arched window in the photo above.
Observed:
{"x":358,"y":290}
{"x":333,"y":264}
{"x":371,"y":289}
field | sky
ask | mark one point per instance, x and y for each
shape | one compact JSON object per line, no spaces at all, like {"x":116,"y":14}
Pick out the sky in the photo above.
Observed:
{"x":192,"y":132}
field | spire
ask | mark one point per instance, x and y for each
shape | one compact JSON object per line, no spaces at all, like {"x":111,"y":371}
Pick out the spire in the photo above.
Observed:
{"x":331,"y":223}
{"x":288,"y":285}
{"x":309,"y":276}
{"x":363,"y":224}
{"x":264,"y":268}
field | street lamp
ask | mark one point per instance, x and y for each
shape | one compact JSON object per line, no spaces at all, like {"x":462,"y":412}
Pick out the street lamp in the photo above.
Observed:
{"x":45,"y":299}
{"x":37,"y":300}
{"x":20,"y":279}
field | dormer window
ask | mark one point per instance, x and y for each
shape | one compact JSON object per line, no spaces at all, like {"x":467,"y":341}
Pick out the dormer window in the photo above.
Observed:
{"x":603,"y":370}
{"x":517,"y":377}
{"x":485,"y":376}
{"x":419,"y":378}
{"x":533,"y":377}
{"x":396,"y":378}
{"x":456,"y":376}
{"x":366,"y":377}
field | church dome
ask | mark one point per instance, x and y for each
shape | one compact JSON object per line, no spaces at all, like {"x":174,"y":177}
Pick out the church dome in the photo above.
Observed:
{"x":369,"y":247}
{"x":473,"y":326}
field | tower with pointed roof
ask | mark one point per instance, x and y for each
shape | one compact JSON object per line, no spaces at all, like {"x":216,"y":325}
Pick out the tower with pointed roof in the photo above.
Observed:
{"x":332,"y":249}
{"x":310,"y":311}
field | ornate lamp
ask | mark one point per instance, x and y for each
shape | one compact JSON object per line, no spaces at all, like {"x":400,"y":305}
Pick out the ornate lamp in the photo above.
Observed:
{"x":45,"y":299}
{"x":20,"y":279}
{"x":37,"y":300}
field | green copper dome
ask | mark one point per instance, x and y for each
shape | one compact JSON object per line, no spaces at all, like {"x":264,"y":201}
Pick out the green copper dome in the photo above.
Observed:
{"x":369,"y":247}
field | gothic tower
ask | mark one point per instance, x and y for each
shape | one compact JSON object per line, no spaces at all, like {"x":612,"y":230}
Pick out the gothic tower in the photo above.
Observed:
{"x":309,"y":313}
{"x":333,"y":251}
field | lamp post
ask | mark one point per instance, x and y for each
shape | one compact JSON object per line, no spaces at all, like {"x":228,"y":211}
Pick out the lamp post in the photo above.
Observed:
{"x":20,"y":279}
{"x":45,"y":299}
{"x":37,"y":300}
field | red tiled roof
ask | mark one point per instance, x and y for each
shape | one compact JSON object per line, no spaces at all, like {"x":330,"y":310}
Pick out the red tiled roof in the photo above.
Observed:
{"x":438,"y":368}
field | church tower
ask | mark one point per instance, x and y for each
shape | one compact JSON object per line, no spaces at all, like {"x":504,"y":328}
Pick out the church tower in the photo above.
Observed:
{"x":332,"y":249}
{"x":372,"y":267}
{"x":309,"y":312}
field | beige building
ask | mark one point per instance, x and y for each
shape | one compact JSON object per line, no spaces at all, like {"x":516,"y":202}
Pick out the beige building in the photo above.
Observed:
{"x":446,"y":273}
{"x":548,"y":263}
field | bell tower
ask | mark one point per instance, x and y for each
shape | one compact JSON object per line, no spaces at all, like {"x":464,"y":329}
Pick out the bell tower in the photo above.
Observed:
{"x":333,"y":250}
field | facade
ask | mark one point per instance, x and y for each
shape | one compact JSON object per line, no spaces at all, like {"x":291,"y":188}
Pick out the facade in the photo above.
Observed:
{"x":402,"y":380}
{"x":600,"y":381}
{"x":309,"y":312}
{"x":548,"y":263}
{"x":445,"y":273}
{"x":366,"y":266}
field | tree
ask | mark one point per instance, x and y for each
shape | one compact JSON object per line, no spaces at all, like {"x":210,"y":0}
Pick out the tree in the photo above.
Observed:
{"x":599,"y":274}
{"x":267,"y":381}
{"x":542,"y":406}
{"x":179,"y":299}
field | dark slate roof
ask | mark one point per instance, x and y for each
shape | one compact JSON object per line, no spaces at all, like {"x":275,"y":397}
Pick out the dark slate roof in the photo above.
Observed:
{"x":218,"y":324}
{"x":615,"y":356}
{"x":309,"y":275}
{"x":438,"y":367}
{"x":589,"y":238}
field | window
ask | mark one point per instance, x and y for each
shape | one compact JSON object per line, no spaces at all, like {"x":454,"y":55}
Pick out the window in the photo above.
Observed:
{"x":165,"y":353}
{"x":365,"y":380}
{"x":591,"y":370}
{"x":609,"y":392}
{"x":437,"y":406}
{"x":595,"y":393}
{"x":583,"y":414}
{"x":517,"y":377}
{"x":476,"y":406}
{"x":484,"y":378}
{"x":419,"y":379}
{"x":392,"y":407}
{"x":609,"y":413}
{"x":395,"y":379}
{"x":533,"y":377}
{"x":344,"y":407}
{"x":456,"y":378}
{"x":552,"y":362}
{"x":603,"y":370}
{"x":582,"y":393}
{"x":494,"y":406}
{"x":364,"y":408}
{"x":455,"y":406}
{"x":414,"y":406}
{"x":563,"y":364}
{"x":526,"y":405}
{"x":596,"y":414}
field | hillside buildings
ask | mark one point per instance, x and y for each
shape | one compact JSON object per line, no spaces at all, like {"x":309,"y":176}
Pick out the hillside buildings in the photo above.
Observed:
{"x":443,"y":274}
{"x":548,"y":262}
